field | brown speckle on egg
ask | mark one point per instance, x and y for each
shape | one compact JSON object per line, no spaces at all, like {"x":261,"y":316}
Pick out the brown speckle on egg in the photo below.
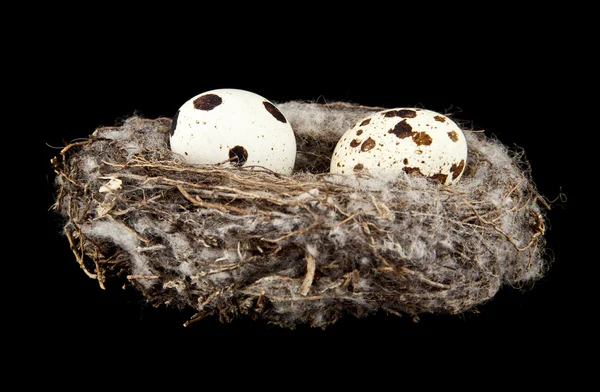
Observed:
{"x":439,"y":177}
{"x":422,"y":138}
{"x":274,"y":112}
{"x":440,"y":118}
{"x":365,"y":122}
{"x":359,"y":167}
{"x":174,"y":123}
{"x":405,"y":161}
{"x":238,"y":156}
{"x":412,"y":170}
{"x":453,"y":136}
{"x":359,"y":132}
{"x":404,"y":113}
{"x":402,"y":130}
{"x":355,"y":143}
{"x":368,"y":145}
{"x":207,"y":102}
{"x":457,"y":169}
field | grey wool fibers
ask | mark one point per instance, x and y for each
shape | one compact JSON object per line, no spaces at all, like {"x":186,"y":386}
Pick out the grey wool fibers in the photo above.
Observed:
{"x":307,"y":248}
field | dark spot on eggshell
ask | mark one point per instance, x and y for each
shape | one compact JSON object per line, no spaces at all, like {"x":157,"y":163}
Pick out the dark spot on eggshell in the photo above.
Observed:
{"x":368,"y":145}
{"x":207,"y":102}
{"x":274,"y":111}
{"x":439,"y":177}
{"x":402,"y":130}
{"x":457,"y":169}
{"x":365,"y":122}
{"x":174,"y":123}
{"x":405,"y":161}
{"x":359,"y":167}
{"x":440,"y":118}
{"x":404,"y":113}
{"x":412,"y":170}
{"x":453,"y":136}
{"x":359,"y":132}
{"x":422,"y":138}
{"x":238,"y":156}
{"x":355,"y":143}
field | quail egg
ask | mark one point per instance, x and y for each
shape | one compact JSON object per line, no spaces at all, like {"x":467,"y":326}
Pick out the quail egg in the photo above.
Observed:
{"x":235,"y":126}
{"x":403,"y":140}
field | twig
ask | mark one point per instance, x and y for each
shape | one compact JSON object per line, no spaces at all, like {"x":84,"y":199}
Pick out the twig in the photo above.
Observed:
{"x":418,"y":275}
{"x":310,"y":274}
{"x":197,"y":317}
{"x":301,"y":231}
{"x":351,"y":106}
{"x":221,"y":207}
{"x":139,"y":277}
{"x":277,"y":298}
{"x":78,"y":256}
{"x":221,"y":269}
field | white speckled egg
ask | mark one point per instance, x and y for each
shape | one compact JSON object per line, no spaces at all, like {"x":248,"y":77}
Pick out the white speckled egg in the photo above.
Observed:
{"x":236,"y":126}
{"x":409,"y":140}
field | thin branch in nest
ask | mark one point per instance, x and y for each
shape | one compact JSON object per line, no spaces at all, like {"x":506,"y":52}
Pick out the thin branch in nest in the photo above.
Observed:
{"x":197,"y":317}
{"x":403,"y":270}
{"x":290,"y":234}
{"x":279,"y":298}
{"x":140,"y":277}
{"x":79,"y":253}
{"x":344,"y":221}
{"x":221,"y":269}
{"x":311,"y":264}
{"x":201,"y":203}
{"x":64,"y":151}
{"x":352,"y":106}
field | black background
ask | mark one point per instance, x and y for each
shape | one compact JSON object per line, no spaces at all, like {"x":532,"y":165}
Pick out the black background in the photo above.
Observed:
{"x":500,"y":89}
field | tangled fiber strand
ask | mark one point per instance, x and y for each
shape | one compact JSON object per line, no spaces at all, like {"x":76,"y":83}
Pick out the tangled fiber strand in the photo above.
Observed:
{"x":306,"y":248}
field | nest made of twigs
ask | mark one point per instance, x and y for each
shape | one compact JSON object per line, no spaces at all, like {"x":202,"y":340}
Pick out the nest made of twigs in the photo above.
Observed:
{"x":304,"y":248}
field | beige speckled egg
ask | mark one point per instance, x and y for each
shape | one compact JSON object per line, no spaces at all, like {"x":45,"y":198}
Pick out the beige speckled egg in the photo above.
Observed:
{"x":403,"y":140}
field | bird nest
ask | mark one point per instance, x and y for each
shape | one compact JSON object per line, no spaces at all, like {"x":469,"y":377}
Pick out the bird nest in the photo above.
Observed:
{"x":307,"y":248}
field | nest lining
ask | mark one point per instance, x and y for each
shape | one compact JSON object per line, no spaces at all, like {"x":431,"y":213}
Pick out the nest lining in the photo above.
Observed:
{"x":306,"y":248}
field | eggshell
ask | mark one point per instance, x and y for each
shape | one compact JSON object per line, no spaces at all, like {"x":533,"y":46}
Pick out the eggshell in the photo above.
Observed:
{"x":233,"y":125}
{"x":403,"y":140}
